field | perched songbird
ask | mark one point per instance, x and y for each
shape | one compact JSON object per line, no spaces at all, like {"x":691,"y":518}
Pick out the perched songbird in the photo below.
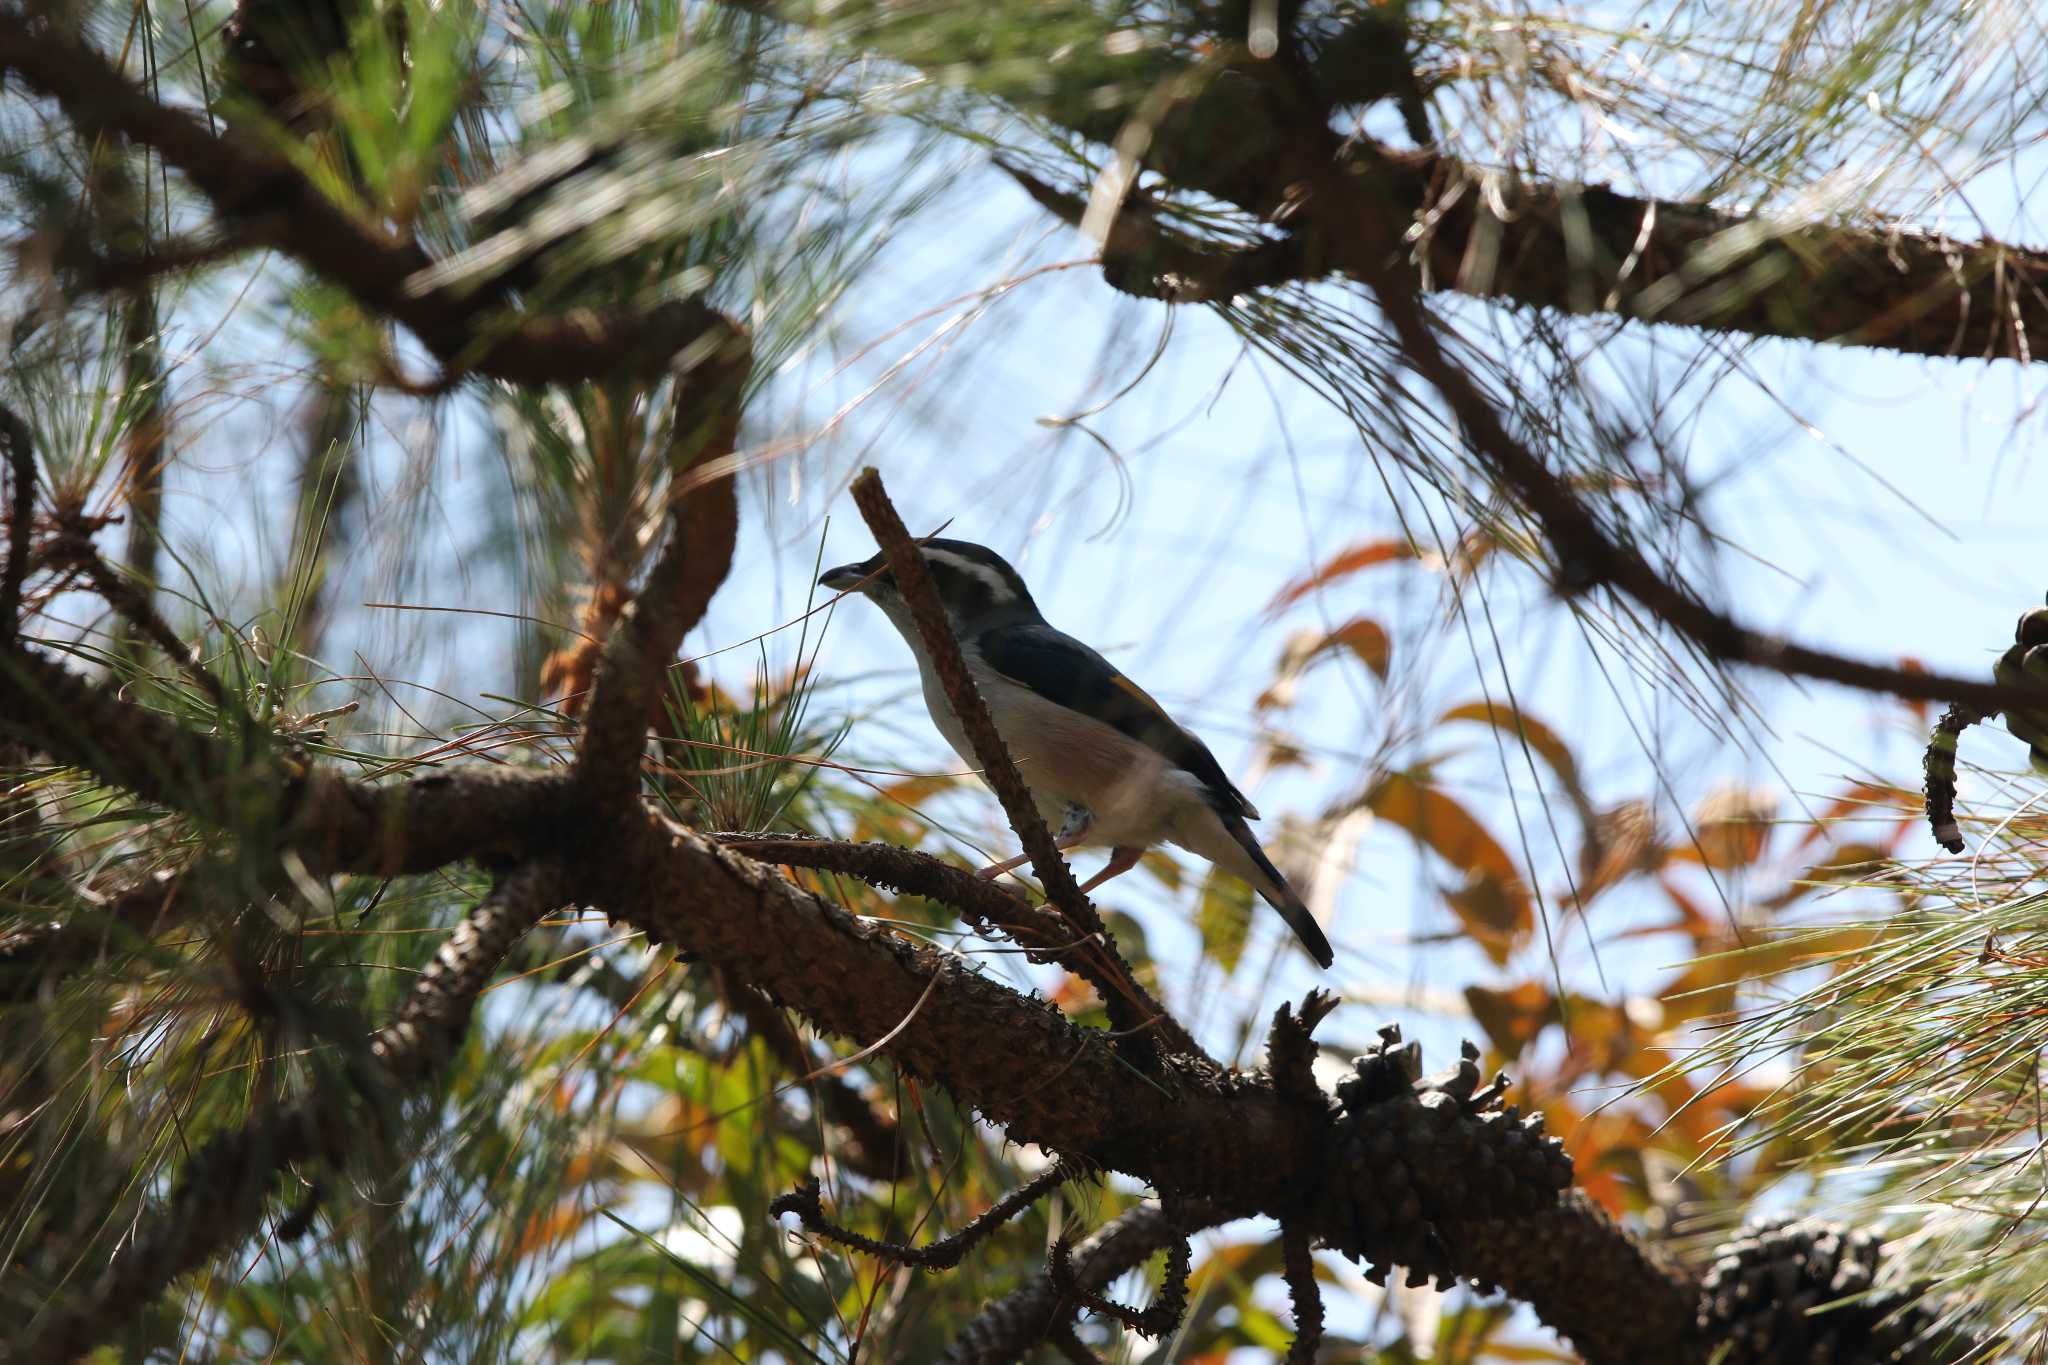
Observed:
{"x":1105,"y":764}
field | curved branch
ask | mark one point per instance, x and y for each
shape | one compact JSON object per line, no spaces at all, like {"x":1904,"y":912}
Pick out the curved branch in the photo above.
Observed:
{"x":1012,"y":1325}
{"x":941,"y":1253}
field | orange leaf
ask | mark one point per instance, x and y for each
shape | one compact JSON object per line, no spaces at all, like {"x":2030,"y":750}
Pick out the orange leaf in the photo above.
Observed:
{"x":1520,"y":726}
{"x":1861,"y":804}
{"x":1451,"y":831}
{"x":1512,"y":1018}
{"x":1345,"y":564}
{"x":1363,"y":637}
{"x":1731,"y":825}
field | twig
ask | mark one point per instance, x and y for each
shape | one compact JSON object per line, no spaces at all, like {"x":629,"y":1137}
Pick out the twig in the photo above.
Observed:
{"x":990,"y":904}
{"x":89,"y":272}
{"x":940,"y":1254}
{"x":1147,"y":259}
{"x":1162,"y":1317}
{"x":1300,"y":1270}
{"x":1129,"y":1008}
{"x":74,"y":549}
{"x":906,"y":563}
{"x":1007,"y":1329}
{"x":21,"y":463}
{"x":1939,"y":764}
{"x":221,"y":1195}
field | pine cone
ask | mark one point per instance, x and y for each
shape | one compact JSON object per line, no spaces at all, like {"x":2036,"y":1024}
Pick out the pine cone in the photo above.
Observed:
{"x":1760,"y":1295}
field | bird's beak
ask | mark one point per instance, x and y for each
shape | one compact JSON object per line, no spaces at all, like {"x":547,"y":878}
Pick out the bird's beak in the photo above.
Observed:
{"x":844,"y":577}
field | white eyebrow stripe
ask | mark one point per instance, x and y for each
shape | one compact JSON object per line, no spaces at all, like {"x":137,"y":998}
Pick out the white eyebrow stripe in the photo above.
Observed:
{"x":999,"y":587}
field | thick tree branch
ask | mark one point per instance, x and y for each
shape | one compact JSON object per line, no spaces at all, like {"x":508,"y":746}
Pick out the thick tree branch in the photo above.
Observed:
{"x":266,"y":200}
{"x":1012,"y":1056}
{"x":1045,"y":936}
{"x":1236,"y":1141}
{"x":335,"y":823}
{"x":223,"y":1190}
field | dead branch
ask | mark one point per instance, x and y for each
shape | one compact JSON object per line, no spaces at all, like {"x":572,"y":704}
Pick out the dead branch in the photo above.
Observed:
{"x":21,"y":466}
{"x":941,"y":1253}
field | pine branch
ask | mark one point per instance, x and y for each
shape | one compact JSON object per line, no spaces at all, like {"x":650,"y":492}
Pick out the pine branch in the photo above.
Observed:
{"x":334,"y":822}
{"x":941,"y":1253}
{"x":992,"y":906}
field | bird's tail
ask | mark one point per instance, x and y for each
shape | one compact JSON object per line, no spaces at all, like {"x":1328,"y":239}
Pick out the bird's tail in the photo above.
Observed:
{"x":1243,"y":857}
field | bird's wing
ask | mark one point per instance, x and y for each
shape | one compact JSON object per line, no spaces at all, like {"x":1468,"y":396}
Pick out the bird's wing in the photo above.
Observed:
{"x":1068,"y":673}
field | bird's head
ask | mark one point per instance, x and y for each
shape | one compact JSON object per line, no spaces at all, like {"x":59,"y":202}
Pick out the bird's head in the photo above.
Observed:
{"x":976,"y":584}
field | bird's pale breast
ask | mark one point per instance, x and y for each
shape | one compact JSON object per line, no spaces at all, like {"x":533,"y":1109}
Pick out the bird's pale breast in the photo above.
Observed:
{"x":1069,"y":759}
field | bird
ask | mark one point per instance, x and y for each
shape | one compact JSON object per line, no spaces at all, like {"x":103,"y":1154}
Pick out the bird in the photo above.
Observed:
{"x":1105,"y":764}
